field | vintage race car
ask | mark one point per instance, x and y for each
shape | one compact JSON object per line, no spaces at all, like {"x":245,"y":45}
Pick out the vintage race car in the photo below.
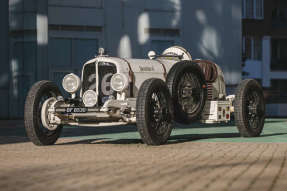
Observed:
{"x":152,"y":93}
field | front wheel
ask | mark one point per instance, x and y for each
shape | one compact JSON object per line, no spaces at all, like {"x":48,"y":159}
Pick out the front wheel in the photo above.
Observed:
{"x":249,"y":108}
{"x":154,"y":112}
{"x":37,"y":96}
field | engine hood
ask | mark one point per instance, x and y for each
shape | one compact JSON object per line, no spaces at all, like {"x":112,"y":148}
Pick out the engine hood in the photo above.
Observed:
{"x":145,"y":66}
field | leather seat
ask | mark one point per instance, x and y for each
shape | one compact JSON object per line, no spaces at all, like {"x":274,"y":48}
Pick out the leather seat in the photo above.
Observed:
{"x":209,"y":70}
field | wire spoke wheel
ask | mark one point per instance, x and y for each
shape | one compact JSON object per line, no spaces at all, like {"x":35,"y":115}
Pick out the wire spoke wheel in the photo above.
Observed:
{"x":154,"y":112}
{"x":189,"y":93}
{"x":159,"y":112}
{"x":254,"y":109}
{"x":185,"y":82}
{"x":249,"y":108}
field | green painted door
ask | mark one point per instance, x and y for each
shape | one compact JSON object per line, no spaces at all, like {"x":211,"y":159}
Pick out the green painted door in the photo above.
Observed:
{"x":23,"y":75}
{"x":68,"y":55}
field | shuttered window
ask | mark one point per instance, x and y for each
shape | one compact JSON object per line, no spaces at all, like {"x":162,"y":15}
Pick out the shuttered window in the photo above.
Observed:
{"x":253,"y":9}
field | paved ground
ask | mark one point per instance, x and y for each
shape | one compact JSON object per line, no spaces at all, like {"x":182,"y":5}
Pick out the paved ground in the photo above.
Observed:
{"x":202,"y":158}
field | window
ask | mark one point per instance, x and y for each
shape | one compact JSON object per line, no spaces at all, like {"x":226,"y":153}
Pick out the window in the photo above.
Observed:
{"x":259,"y":9}
{"x":279,"y":14}
{"x":249,"y":8}
{"x":257,"y":49}
{"x":252,"y":47}
{"x":246,"y":47}
{"x":167,"y":32}
{"x":279,"y":56}
{"x":253,"y":9}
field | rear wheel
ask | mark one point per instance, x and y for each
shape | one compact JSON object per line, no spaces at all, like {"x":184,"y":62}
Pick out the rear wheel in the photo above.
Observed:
{"x":186,"y":83}
{"x":37,"y":96}
{"x":249,"y":111}
{"x":154,"y":112}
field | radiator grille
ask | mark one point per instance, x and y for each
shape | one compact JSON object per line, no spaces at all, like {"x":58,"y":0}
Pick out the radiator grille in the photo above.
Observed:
{"x":209,"y":91}
{"x":89,"y":77}
{"x":105,"y":72}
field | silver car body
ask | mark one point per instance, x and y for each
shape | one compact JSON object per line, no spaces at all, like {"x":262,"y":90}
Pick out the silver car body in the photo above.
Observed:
{"x":111,"y":111}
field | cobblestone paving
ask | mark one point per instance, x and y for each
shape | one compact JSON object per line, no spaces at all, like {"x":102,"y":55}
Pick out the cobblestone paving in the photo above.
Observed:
{"x":97,"y":165}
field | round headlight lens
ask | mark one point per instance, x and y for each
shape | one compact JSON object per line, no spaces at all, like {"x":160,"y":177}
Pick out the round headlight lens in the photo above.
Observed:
{"x":71,"y":83}
{"x":119,"y":82}
{"x":90,"y":98}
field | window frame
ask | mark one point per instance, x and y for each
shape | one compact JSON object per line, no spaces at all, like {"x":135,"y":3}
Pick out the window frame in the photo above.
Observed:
{"x":252,"y":47}
{"x":276,"y":62}
{"x":255,"y":12}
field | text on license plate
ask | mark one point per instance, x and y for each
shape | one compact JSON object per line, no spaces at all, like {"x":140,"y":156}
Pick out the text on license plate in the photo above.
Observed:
{"x":76,"y":110}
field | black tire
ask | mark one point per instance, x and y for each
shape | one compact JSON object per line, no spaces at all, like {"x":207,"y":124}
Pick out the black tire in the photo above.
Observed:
{"x":249,"y":108}
{"x":188,"y":107}
{"x":38,"y":93}
{"x":154,"y":112}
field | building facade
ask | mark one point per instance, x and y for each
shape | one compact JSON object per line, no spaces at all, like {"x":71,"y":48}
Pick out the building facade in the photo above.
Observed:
{"x":4,"y":59}
{"x":264,"y":26}
{"x":46,"y":39}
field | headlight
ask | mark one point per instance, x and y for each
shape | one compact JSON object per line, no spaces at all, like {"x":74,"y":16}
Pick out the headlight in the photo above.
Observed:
{"x":119,"y":82}
{"x":71,"y":83}
{"x":90,"y":98}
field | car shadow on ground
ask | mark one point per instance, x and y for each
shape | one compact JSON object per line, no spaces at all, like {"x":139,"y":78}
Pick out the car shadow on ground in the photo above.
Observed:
{"x":13,"y":139}
{"x":195,"y":125}
{"x":91,"y":131}
{"x":175,"y":139}
{"x":194,"y":137}
{"x":16,"y":134}
{"x":103,"y":141}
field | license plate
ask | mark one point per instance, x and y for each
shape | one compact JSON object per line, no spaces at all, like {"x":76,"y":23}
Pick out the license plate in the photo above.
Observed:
{"x":76,"y":110}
